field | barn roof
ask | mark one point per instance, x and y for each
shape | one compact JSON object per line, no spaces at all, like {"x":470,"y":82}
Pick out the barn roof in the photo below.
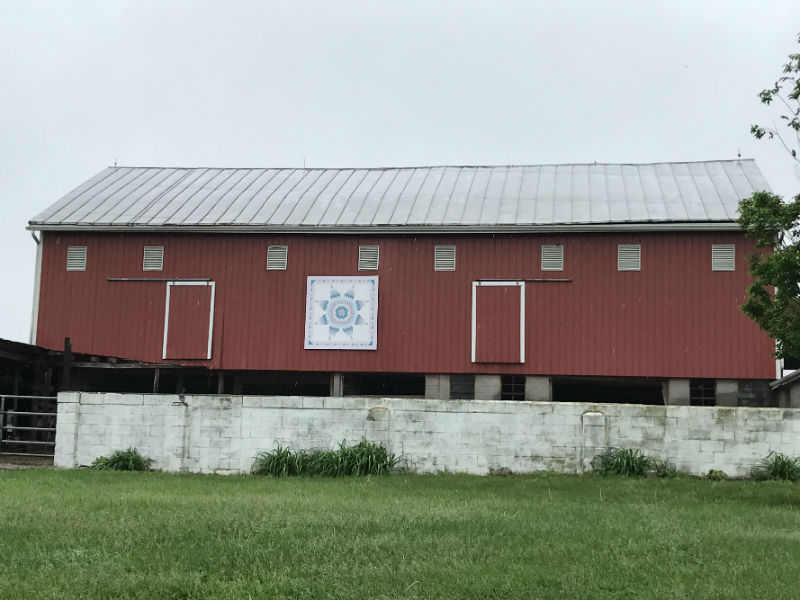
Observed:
{"x":473,"y":198}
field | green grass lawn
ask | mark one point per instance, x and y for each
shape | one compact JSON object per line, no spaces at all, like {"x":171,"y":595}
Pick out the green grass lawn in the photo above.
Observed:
{"x":88,"y":534}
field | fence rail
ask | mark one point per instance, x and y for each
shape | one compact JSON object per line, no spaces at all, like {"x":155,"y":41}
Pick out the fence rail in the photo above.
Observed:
{"x":27,"y":425}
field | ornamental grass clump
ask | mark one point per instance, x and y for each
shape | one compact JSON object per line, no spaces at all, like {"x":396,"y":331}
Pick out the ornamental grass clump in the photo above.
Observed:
{"x":123,"y":460}
{"x":777,"y":466}
{"x":364,"y":458}
{"x":631,"y":462}
{"x":280,"y":462}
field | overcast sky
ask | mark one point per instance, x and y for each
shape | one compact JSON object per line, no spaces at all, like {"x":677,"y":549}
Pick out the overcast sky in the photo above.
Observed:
{"x":370,"y":83}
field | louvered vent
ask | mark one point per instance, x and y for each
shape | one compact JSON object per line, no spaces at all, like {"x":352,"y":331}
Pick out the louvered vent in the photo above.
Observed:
{"x":552,"y":258}
{"x":723,"y":257}
{"x":153,"y":259}
{"x":444,"y":258}
{"x":76,"y":258}
{"x":277,"y":258}
{"x":629,"y":257}
{"x":368,"y":258}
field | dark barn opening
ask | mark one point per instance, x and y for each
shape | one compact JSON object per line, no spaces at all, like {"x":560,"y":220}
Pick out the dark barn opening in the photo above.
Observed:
{"x":384,"y":384}
{"x":462,"y":386}
{"x":611,"y":391}
{"x":266,"y":383}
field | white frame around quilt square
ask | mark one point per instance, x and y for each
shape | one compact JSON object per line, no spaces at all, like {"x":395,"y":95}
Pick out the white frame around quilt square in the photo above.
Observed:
{"x":341,"y":313}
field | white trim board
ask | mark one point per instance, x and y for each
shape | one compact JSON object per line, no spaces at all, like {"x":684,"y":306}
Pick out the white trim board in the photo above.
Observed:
{"x":37,"y":284}
{"x":474,"y":329}
{"x":210,"y":313}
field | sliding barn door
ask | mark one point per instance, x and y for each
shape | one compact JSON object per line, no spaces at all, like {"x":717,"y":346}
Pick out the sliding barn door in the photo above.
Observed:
{"x":498,"y":321}
{"x":189,"y":320}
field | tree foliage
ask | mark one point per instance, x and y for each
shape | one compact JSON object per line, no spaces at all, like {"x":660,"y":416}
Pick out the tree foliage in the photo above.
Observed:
{"x":773,"y":299}
{"x":785,"y":92}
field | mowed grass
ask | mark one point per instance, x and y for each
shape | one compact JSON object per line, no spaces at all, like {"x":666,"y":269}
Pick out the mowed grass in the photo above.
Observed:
{"x":88,"y":534}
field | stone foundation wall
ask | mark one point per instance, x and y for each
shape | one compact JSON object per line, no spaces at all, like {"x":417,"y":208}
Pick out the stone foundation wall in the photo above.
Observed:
{"x":224,"y":433}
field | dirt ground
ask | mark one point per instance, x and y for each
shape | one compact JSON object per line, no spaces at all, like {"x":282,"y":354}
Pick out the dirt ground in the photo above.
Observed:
{"x":8,"y":463}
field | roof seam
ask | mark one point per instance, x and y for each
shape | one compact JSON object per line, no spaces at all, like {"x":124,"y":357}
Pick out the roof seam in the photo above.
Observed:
{"x":466,"y":196}
{"x":242,"y":192}
{"x":225,"y":193}
{"x":433,"y":195}
{"x":90,"y":198}
{"x":333,"y":196}
{"x":192,"y":195}
{"x":133,"y":202}
{"x":161,"y":195}
{"x":269,"y":195}
{"x":399,"y":195}
{"x":383,"y":196}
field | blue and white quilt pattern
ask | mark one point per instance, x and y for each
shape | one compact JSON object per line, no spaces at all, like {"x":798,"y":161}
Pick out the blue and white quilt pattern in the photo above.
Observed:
{"x":342,"y":313}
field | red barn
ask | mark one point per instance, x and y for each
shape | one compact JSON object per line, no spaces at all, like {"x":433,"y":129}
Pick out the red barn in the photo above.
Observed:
{"x":601,"y":282}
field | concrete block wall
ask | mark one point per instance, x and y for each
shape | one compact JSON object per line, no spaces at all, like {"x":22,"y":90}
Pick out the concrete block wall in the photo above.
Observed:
{"x":224,"y":433}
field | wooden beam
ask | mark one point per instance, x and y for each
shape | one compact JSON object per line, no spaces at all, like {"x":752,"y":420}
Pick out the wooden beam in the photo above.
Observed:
{"x":128,"y":365}
{"x":131,"y":365}
{"x":66,"y":377}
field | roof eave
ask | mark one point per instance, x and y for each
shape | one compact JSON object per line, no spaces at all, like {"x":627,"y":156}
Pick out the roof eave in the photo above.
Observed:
{"x":398,"y":229}
{"x":784,"y":381}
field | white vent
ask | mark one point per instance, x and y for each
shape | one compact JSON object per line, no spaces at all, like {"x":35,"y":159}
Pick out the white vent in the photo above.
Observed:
{"x":277,"y":258}
{"x":76,"y":258}
{"x":629,"y":257}
{"x":552,"y":258}
{"x":153,"y":259}
{"x":368,"y":258}
{"x":444,"y":258}
{"x":723,"y":257}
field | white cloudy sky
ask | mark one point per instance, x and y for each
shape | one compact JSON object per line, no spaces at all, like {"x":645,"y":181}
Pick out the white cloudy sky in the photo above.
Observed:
{"x":370,"y":83}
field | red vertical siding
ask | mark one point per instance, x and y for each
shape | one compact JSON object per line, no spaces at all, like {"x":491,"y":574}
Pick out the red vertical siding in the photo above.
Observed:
{"x":497,"y":324}
{"x":674,"y":318}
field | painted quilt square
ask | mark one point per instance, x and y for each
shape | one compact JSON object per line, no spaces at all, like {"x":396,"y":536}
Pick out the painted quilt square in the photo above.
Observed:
{"x":342,"y":313}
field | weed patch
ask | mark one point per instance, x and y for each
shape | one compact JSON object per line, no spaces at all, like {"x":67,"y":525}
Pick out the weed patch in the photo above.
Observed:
{"x":717,"y":475}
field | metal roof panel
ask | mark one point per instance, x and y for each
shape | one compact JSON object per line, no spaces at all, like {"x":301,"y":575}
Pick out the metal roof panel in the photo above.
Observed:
{"x":510,"y":203}
{"x":419,"y":197}
{"x":438,"y":207}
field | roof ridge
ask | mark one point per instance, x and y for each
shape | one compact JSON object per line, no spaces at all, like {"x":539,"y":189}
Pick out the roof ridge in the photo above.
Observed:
{"x":446,"y":166}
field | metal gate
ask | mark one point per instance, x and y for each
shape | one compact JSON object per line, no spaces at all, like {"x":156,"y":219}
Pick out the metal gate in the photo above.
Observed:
{"x":28,"y":425}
